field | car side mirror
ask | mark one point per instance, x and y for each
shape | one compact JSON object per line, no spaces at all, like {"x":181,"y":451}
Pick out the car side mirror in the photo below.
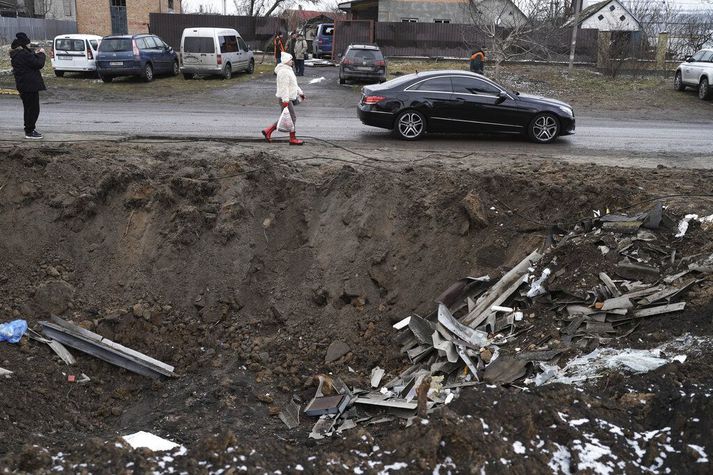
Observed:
{"x":689,"y":59}
{"x":501,"y":97}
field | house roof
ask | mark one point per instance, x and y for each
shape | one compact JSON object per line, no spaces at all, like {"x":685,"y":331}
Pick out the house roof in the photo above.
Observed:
{"x":592,"y":9}
{"x":306,"y":15}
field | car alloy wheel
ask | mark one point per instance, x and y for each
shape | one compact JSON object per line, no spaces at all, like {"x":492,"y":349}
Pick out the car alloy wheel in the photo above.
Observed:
{"x":678,"y":82}
{"x":704,"y":90}
{"x":227,"y":72}
{"x":148,"y":73}
{"x":411,"y":125}
{"x":544,"y":128}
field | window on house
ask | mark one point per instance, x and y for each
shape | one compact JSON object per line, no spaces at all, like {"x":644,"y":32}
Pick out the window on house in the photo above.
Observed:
{"x":409,"y":20}
{"x":441,"y":21}
{"x":612,"y":7}
{"x":67,"y":4}
{"x":170,"y":4}
{"x":118,"y":3}
{"x":622,"y":18}
{"x":600,"y":17}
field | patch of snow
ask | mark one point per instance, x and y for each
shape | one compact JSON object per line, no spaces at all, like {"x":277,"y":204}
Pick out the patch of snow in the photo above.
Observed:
{"x":578,"y":422}
{"x":702,"y":456}
{"x":299,"y":468}
{"x":518,"y":447}
{"x":394,"y":466}
{"x":150,"y":441}
{"x":590,"y":455}
{"x":317,"y":80}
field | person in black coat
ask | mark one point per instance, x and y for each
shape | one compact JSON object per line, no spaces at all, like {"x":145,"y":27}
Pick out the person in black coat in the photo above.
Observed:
{"x":26,"y":67}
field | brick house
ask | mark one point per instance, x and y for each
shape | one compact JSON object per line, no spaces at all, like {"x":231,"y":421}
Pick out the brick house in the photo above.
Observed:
{"x":117,"y":17}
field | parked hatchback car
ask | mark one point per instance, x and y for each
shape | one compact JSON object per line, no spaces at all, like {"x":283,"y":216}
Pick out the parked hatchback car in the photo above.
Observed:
{"x":214,"y":51}
{"x":696,"y":71}
{"x":135,"y":55}
{"x":74,"y":53}
{"x":461,"y":102}
{"x":362,"y":62}
{"x":322,"y":44}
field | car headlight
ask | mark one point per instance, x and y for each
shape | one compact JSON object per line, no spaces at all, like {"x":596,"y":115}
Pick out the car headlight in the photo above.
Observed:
{"x":567,"y":110}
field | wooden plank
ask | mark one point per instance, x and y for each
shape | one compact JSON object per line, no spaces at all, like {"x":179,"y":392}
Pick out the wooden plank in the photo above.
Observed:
{"x":610,"y":284}
{"x":648,"y":312}
{"x":616,"y":303}
{"x":498,"y":293}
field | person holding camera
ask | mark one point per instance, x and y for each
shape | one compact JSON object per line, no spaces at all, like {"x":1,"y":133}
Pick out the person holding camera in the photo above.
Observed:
{"x":26,"y":67}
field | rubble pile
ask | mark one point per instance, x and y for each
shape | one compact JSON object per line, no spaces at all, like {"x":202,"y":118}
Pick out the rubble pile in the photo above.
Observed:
{"x":532,"y":324}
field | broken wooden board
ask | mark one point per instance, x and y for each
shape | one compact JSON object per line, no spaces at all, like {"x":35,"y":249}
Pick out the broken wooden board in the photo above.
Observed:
{"x":465,"y":333}
{"x":617,"y":303}
{"x":93,"y":344}
{"x":651,"y":311}
{"x":386,"y":403}
{"x":610,"y":284}
{"x":505,"y":370}
{"x":499,"y":292}
{"x":290,"y":414}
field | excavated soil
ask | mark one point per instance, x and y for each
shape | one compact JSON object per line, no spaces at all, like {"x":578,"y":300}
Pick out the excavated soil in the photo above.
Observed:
{"x":239,"y":265}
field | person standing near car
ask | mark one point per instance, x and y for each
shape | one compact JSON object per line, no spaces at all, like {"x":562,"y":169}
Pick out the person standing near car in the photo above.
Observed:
{"x":300,"y":54}
{"x":26,"y":67}
{"x":477,"y":62}
{"x":288,"y":94}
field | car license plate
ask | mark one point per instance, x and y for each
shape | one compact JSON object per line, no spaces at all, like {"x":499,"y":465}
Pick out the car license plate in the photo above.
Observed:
{"x":364,"y":68}
{"x":65,"y":58}
{"x":116,"y":63}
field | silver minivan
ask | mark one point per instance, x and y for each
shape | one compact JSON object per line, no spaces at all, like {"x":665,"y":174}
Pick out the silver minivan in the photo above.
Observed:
{"x":214,"y":51}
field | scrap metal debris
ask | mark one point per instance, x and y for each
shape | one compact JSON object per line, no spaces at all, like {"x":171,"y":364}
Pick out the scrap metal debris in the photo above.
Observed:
{"x":96,"y":345}
{"x":543,"y":321}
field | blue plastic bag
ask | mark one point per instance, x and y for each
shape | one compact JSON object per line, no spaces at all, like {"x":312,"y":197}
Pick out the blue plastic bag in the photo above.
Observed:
{"x":13,"y":331}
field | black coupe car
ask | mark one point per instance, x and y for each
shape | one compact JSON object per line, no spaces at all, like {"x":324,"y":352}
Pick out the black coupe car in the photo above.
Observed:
{"x":461,"y":102}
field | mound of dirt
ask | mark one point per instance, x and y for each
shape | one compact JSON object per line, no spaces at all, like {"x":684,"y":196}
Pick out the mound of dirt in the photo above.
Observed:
{"x":241,"y":266}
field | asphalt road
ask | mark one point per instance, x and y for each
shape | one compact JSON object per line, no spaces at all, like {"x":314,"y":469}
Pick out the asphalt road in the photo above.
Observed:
{"x":330,"y":123}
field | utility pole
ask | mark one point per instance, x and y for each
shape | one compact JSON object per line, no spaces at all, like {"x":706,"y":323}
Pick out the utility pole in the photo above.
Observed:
{"x":575,"y":27}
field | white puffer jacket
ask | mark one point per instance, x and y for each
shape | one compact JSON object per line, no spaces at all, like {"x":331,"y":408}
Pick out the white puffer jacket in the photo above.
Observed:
{"x":287,"y":88}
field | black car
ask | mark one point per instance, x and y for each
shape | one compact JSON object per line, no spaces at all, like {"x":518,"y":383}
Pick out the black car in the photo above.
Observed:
{"x":362,"y":63}
{"x":461,"y":102}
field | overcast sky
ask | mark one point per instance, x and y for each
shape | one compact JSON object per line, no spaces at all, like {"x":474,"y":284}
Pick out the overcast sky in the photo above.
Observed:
{"x":217,"y":5}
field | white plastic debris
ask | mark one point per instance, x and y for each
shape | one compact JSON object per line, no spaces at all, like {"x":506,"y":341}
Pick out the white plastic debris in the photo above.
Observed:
{"x":519,"y":316}
{"x":683,"y":224}
{"x":498,"y":308}
{"x":317,"y":80}
{"x":537,"y":287}
{"x":149,"y":441}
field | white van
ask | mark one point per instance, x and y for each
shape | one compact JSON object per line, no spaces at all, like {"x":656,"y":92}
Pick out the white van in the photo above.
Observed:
{"x":214,"y":51}
{"x":74,"y":53}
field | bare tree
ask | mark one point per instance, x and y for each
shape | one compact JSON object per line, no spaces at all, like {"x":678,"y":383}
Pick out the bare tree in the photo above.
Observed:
{"x":511,"y":32}
{"x":263,"y":7}
{"x":40,"y":8}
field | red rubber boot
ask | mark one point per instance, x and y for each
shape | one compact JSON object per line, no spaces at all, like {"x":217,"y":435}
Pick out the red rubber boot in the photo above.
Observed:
{"x":267,"y":133}
{"x":294,"y":140}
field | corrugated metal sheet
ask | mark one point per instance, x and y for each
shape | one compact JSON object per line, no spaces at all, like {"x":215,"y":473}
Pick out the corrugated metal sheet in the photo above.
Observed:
{"x":36,"y":28}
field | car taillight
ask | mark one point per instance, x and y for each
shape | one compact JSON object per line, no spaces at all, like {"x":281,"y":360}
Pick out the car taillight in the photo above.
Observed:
{"x":90,"y":55}
{"x":135,"y":48}
{"x":219,"y":58}
{"x":373,"y":99}
{"x":380,"y":62}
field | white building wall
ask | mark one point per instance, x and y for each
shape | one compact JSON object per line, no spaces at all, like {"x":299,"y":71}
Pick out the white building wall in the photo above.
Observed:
{"x":612,"y":17}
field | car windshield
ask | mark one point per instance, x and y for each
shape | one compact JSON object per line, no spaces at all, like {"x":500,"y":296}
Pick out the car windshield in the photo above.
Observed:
{"x":113,"y":45}
{"x":365,"y":55}
{"x":198,"y":44}
{"x":66,"y":44}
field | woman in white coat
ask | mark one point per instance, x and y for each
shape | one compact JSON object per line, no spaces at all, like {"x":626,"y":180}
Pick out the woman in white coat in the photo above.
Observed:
{"x":287,"y":93}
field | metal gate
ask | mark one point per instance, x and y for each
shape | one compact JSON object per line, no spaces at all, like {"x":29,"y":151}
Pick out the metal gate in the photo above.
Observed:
{"x":119,"y":25}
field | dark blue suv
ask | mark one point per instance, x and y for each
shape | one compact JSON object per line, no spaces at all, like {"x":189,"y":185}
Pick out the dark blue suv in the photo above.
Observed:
{"x":135,"y":55}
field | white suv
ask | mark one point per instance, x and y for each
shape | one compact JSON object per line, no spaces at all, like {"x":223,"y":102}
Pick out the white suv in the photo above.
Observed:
{"x":696,"y":71}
